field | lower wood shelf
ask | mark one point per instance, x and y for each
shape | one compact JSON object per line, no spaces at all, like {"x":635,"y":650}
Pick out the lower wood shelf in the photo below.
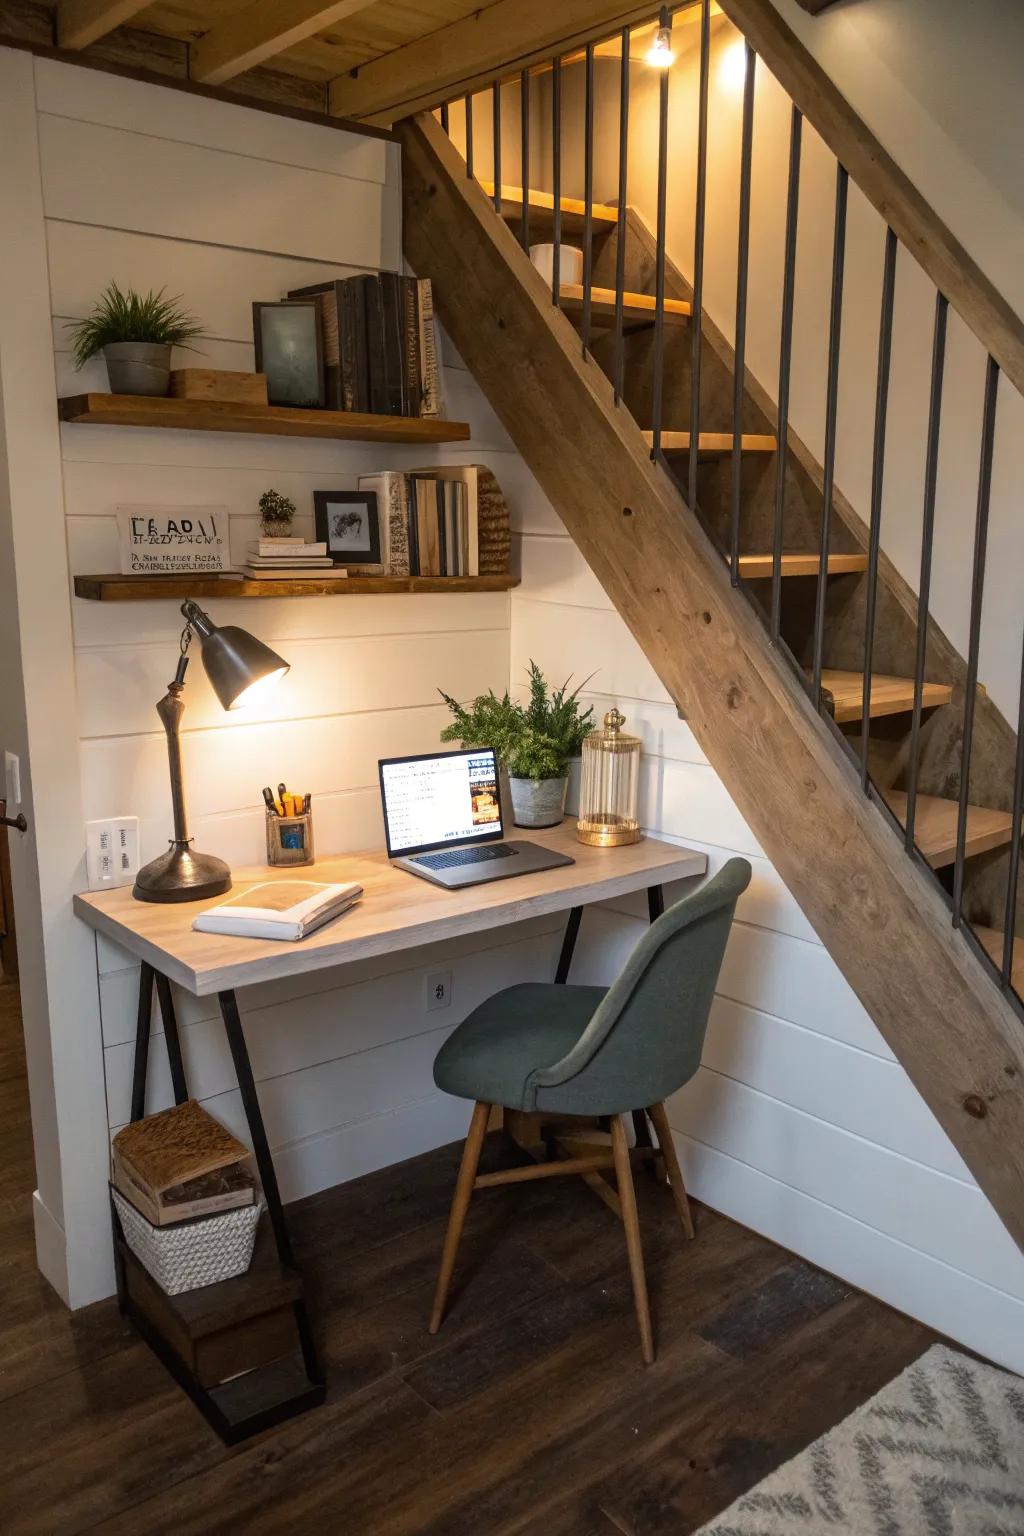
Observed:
{"x":129,"y":589}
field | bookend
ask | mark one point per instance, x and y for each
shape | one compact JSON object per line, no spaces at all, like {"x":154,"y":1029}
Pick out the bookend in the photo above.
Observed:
{"x":226,"y":1345}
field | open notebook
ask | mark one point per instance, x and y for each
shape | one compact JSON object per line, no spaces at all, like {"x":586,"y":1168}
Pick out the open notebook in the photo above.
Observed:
{"x":279,"y":909}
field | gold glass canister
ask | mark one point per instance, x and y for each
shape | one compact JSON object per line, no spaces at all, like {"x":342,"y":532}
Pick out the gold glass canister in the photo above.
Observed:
{"x":609,"y":786}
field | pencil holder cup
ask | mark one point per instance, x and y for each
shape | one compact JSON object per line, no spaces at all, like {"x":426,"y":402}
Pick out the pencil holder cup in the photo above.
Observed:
{"x":289,"y":839}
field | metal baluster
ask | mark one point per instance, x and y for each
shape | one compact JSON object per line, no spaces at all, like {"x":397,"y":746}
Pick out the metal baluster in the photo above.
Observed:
{"x":444,"y":116}
{"x":556,"y":180}
{"x":524,"y":154}
{"x":496,"y":144}
{"x":588,"y":197}
{"x":877,"y":474}
{"x":620,"y":249}
{"x":988,"y":429}
{"x":831,"y":404}
{"x":469,"y":136}
{"x":742,"y":268}
{"x":1012,"y":877}
{"x":931,"y":464}
{"x":657,"y":393}
{"x":785,"y":361}
{"x":698,"y":252}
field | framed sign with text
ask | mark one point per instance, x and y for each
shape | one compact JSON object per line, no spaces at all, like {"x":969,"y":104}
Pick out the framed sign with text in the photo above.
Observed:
{"x":165,"y":540}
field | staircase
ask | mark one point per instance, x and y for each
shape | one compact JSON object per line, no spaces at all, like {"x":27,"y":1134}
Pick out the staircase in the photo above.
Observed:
{"x":770,"y":613}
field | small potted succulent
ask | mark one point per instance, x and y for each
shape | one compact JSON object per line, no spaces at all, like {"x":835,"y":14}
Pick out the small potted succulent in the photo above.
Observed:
{"x":535,"y":743}
{"x":277,"y":513}
{"x":135,"y":335}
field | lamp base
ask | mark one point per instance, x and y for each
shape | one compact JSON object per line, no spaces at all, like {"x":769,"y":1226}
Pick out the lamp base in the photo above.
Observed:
{"x":181,"y":875}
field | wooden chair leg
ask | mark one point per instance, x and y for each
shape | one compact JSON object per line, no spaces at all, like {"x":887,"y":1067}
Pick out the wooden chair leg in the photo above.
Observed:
{"x":460,"y":1205}
{"x":675,"y":1173}
{"x":631,"y":1222}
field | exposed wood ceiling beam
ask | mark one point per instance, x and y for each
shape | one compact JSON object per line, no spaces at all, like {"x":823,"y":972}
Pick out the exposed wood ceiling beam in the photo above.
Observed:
{"x":507,"y":36}
{"x":263,"y":29}
{"x":81,"y":22}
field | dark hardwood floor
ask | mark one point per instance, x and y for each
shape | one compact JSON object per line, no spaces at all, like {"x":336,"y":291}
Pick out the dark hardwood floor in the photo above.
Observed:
{"x":530,"y":1412}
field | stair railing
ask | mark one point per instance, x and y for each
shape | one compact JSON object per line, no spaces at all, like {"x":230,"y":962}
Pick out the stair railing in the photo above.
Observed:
{"x":986,"y":315}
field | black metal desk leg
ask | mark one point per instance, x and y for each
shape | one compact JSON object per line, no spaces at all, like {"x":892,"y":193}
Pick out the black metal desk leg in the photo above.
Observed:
{"x":254,"y":1119}
{"x":641,"y":1127}
{"x":141,"y":1063}
{"x":655,"y":902}
{"x":178,"y":1083}
{"x":572,"y":928}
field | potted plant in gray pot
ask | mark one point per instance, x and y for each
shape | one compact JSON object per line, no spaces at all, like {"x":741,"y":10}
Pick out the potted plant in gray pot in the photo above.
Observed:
{"x":135,"y":335}
{"x":535,"y":743}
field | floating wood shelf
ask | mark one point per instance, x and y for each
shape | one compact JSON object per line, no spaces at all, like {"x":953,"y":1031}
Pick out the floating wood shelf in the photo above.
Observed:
{"x":272,"y":420}
{"x":637,"y":308}
{"x":573,"y":209}
{"x":889,"y":695}
{"x":137,"y":589}
{"x":713,"y":442}
{"x":759,"y":567}
{"x":935,"y":822}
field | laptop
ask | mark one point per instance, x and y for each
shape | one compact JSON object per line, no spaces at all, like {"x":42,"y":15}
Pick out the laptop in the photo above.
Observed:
{"x":442,"y":820}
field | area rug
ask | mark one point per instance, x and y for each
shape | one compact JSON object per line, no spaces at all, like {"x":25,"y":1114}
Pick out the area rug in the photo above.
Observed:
{"x":938,"y":1452}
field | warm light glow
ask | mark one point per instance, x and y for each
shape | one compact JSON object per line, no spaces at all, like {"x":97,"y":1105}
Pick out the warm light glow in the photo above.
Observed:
{"x":257,"y":689}
{"x":732,"y":65}
{"x":659,"y":54}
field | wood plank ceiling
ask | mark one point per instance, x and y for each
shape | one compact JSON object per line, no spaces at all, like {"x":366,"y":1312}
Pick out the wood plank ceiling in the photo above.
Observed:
{"x":368,"y":60}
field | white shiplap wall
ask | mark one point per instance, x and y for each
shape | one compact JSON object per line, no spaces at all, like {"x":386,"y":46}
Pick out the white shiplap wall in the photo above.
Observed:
{"x":800,"y":1122}
{"x":225,"y":205}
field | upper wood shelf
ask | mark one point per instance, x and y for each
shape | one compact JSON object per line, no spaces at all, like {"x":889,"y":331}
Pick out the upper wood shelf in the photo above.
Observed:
{"x":273,"y":420}
{"x":137,"y":589}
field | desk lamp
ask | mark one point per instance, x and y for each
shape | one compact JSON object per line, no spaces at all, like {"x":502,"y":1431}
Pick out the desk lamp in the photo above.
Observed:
{"x":239,"y":666}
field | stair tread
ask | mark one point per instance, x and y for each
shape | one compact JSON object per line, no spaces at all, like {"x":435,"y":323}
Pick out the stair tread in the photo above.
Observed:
{"x":635,"y":306}
{"x":756,"y":567}
{"x":573,"y":208}
{"x":935,"y":822}
{"x":889,"y":695}
{"x":714,"y":442}
{"x":991,"y":941}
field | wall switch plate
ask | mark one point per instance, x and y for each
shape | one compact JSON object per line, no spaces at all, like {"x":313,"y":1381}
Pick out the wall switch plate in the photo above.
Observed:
{"x":112,"y":852}
{"x":438,"y":990}
{"x":12,"y":780}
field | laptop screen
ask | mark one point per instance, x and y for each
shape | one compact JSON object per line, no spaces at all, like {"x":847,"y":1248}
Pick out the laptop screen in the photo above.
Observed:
{"x":440,"y":800}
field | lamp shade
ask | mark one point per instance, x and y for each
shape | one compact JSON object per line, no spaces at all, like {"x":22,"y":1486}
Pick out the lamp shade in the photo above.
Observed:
{"x":237,"y":664}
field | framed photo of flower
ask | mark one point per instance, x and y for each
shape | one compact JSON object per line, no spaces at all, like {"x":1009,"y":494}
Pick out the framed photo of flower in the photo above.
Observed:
{"x":348,"y":522}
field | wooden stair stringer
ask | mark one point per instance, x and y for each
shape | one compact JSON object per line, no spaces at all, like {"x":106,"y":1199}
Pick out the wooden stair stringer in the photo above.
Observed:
{"x":880,"y":917}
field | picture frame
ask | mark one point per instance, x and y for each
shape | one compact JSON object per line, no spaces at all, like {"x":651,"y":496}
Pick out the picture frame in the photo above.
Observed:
{"x":289,"y":350}
{"x":348,"y":522}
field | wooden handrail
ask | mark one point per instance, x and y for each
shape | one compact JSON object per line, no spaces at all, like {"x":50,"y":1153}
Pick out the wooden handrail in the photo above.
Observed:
{"x":975,"y":298}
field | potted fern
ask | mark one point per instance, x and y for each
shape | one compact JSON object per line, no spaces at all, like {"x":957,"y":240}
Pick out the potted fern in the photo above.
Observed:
{"x":135,"y":335}
{"x":534,"y":743}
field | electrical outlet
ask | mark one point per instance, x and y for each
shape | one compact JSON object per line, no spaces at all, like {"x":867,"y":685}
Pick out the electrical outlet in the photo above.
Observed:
{"x":12,"y":779}
{"x":112,"y":852}
{"x":438,"y":990}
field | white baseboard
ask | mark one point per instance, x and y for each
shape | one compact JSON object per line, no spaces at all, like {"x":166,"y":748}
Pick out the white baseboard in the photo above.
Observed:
{"x":51,"y":1248}
{"x":974,"y":1314}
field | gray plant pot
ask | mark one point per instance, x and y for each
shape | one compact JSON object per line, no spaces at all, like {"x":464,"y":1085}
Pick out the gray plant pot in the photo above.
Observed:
{"x":538,"y":802}
{"x":138,"y":367}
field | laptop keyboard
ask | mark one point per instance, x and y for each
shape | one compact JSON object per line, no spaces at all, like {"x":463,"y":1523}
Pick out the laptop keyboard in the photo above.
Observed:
{"x":451,"y":858}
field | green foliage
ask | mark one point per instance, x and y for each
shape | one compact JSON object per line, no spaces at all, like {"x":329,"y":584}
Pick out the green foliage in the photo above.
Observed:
{"x":127,"y":316}
{"x":535,"y":741}
{"x":275,"y":508}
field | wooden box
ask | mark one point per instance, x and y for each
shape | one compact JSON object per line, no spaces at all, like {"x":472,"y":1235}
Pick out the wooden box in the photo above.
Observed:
{"x":218,"y":384}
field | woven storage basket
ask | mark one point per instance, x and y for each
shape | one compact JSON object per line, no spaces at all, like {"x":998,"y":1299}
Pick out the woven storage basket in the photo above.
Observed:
{"x":192,"y":1253}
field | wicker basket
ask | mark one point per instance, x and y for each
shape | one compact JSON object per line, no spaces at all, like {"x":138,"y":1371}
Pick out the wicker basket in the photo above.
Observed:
{"x":191,"y":1254}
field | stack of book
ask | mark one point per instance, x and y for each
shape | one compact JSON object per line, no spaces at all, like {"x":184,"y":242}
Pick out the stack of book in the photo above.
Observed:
{"x":285,"y":559}
{"x":179,"y":1165}
{"x":380,"y":350}
{"x":449,"y":521}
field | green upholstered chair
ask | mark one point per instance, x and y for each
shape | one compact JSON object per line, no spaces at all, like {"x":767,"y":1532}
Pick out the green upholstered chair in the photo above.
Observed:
{"x":597,"y":1052}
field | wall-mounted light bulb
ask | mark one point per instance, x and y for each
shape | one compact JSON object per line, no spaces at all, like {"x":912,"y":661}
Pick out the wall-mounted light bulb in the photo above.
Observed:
{"x":659,"y":54}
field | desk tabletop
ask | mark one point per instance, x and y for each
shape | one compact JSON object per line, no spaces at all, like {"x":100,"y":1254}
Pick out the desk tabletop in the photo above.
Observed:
{"x":397,"y":911}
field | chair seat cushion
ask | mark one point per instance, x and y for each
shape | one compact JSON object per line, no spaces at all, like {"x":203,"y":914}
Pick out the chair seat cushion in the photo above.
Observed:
{"x":492,"y":1053}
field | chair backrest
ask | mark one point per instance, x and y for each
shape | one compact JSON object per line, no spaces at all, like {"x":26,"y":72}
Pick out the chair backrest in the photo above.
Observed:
{"x":646,"y":1036}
